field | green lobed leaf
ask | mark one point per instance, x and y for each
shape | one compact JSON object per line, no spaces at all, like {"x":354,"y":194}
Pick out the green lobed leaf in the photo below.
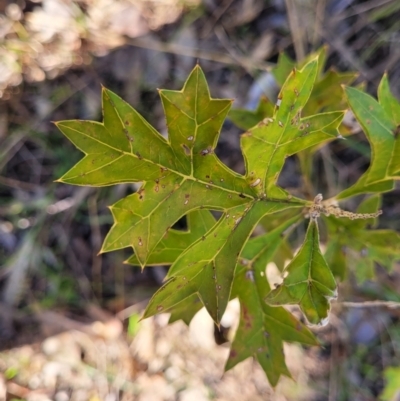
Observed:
{"x":266,"y":146}
{"x":327,"y":95}
{"x":213,"y":261}
{"x":262,"y":328}
{"x":183,"y":174}
{"x":379,"y":121}
{"x":309,"y":281}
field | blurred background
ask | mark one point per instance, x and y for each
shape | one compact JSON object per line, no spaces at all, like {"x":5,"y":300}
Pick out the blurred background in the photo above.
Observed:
{"x":69,"y":319}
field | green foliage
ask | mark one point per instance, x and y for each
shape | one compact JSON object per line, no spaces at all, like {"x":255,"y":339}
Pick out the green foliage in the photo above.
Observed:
{"x":392,"y":388}
{"x":217,"y":259}
{"x":263,"y":328}
{"x":309,"y":281}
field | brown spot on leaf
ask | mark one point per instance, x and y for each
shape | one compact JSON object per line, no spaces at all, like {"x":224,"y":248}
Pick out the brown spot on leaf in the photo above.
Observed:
{"x":247,"y":317}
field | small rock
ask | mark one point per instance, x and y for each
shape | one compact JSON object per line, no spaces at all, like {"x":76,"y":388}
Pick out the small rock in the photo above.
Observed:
{"x":61,"y":396}
{"x":172,"y":373}
{"x":191,"y":394}
{"x":35,"y":381}
{"x":51,"y":346}
{"x":52,"y":371}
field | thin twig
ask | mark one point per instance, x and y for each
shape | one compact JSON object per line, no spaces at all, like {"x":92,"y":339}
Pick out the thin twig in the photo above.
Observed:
{"x":10,"y":182}
{"x":223,"y":38}
{"x":295,"y":29}
{"x":216,"y":16}
{"x":319,"y":20}
{"x":175,"y":48}
{"x":370,"y":304}
{"x":338,"y":44}
{"x":361,"y":8}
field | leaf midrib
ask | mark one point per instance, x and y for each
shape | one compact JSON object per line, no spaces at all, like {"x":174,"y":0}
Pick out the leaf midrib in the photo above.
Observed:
{"x":284,"y":129}
{"x":188,"y":177}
